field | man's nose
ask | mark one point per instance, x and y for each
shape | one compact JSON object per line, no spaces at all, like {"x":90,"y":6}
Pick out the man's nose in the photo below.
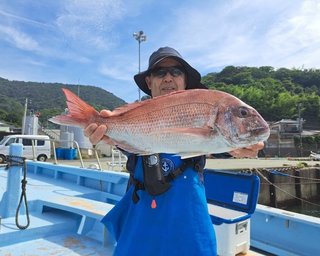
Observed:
{"x":168,"y":76}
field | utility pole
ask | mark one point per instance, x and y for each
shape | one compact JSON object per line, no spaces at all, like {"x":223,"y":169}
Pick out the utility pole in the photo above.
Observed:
{"x":24,"y":117}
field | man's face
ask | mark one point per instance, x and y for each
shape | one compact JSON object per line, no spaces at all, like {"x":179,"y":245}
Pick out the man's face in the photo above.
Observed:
{"x":160,"y":84}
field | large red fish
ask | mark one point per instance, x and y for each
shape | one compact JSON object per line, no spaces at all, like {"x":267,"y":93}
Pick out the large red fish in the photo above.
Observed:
{"x":186,"y":123}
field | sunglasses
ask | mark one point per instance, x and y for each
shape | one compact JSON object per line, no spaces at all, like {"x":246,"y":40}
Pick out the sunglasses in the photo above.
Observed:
{"x":161,"y":72}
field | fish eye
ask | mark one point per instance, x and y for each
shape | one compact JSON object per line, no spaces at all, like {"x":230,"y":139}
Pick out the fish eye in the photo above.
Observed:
{"x":243,"y":112}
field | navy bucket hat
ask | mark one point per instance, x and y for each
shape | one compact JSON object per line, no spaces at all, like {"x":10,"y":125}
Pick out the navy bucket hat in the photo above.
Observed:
{"x":193,"y":76}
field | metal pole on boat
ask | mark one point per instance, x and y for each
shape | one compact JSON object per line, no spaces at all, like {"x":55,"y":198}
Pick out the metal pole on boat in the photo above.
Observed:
{"x":10,"y":200}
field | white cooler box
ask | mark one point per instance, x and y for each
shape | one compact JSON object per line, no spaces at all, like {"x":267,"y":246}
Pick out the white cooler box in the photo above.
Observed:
{"x":232,"y":198}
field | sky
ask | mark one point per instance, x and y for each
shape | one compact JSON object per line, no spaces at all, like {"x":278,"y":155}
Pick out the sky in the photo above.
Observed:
{"x":90,"y":42}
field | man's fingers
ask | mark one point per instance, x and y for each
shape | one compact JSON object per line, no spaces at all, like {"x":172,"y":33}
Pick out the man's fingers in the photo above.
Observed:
{"x":256,"y":147}
{"x":98,"y":134}
{"x":90,"y":129}
{"x":95,"y":133}
{"x":250,"y":151}
{"x":105,"y":113}
{"x":244,"y":152}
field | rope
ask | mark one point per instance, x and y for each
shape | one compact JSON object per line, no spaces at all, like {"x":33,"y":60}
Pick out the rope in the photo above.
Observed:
{"x":281,"y":172}
{"x":292,"y":183}
{"x":294,"y":176}
{"x":20,"y":161}
{"x":284,"y":191}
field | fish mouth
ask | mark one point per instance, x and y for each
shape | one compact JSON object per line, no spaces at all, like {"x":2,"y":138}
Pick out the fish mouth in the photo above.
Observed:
{"x":261,"y":133}
{"x":255,"y":135}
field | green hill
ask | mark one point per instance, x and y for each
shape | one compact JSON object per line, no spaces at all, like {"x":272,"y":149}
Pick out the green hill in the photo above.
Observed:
{"x":276,"y":94}
{"x":47,"y":99}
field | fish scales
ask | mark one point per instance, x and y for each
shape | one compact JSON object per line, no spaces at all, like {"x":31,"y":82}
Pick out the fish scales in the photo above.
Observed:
{"x":173,"y":116}
{"x":150,"y":125}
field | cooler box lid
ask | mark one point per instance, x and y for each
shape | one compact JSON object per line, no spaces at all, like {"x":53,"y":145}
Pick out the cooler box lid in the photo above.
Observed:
{"x":232,"y":195}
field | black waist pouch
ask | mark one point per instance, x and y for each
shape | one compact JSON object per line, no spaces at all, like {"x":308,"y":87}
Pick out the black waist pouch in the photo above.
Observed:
{"x":154,"y":180}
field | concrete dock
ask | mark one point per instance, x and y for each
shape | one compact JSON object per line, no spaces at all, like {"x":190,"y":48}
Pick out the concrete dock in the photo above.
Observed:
{"x":211,"y":163}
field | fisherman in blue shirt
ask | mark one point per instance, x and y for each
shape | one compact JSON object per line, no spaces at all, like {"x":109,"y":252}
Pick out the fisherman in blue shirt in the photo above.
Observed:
{"x":164,"y":211}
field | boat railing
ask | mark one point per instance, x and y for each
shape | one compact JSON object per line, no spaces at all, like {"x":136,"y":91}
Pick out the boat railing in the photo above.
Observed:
{"x":117,"y":159}
{"x":77,"y":148}
{"x":53,"y":143}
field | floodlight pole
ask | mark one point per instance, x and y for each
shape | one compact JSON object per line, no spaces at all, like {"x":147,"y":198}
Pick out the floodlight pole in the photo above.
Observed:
{"x":140,"y":37}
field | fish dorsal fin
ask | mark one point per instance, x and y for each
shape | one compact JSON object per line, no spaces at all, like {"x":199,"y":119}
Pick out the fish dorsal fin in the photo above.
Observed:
{"x":125,"y":108}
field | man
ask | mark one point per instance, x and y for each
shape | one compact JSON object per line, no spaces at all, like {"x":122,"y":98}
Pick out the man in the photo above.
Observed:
{"x":164,"y":211}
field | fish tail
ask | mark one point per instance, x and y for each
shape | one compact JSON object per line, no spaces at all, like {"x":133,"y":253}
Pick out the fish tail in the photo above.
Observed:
{"x":79,"y":112}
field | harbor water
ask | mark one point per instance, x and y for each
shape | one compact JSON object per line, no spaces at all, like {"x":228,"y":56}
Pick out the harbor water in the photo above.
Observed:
{"x":311,"y":209}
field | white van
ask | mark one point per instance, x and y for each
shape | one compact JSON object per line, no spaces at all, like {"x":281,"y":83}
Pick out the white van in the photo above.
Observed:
{"x":42,"y":146}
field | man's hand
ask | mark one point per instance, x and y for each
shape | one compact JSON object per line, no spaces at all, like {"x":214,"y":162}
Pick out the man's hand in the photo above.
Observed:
{"x":250,"y":152}
{"x":96,"y":132}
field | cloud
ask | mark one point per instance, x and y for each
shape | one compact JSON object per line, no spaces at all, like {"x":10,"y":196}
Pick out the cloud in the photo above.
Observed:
{"x":19,"y":39}
{"x":89,"y":22}
{"x":296,"y":39}
{"x":11,"y":16}
{"x":115,"y":73}
{"x":63,"y":40}
{"x":221,"y":33}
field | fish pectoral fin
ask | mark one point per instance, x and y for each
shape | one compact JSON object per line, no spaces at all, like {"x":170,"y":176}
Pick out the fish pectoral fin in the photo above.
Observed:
{"x":201,"y":131}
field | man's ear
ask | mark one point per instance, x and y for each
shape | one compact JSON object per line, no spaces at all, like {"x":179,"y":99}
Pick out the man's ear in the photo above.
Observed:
{"x":148,"y":81}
